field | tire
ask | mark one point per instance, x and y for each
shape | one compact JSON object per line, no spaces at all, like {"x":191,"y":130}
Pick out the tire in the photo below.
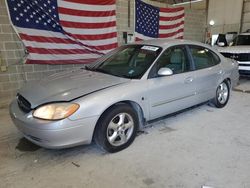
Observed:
{"x":222,"y":95}
{"x":116,"y":129}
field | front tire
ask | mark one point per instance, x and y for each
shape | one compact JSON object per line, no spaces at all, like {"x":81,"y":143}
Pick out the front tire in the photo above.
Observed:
{"x":222,"y":95}
{"x":116,"y":129}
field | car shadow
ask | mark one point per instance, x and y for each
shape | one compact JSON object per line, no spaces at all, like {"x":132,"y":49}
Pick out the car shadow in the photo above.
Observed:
{"x":25,"y":145}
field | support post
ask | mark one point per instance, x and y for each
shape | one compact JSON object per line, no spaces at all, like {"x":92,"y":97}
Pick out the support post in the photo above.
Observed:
{"x":129,"y":7}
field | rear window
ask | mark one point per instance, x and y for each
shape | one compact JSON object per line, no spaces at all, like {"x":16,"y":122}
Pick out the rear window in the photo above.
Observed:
{"x":241,"y":40}
{"x":203,"y":57}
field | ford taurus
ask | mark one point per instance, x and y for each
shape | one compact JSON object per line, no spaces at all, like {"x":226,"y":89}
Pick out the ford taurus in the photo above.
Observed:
{"x":109,"y":100}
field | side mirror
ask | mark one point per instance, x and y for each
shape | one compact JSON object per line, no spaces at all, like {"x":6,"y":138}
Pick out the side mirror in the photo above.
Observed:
{"x":221,"y":44}
{"x":165,"y":72}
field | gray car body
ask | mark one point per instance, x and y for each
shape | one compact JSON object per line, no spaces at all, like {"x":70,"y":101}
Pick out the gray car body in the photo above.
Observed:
{"x":96,"y":92}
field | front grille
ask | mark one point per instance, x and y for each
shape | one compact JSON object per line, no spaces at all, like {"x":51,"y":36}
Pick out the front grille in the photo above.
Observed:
{"x":23,"y":104}
{"x":237,"y":56}
{"x":244,"y":73}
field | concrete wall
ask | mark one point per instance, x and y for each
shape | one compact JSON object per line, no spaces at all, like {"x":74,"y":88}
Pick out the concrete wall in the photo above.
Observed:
{"x":246,"y":16}
{"x":12,"y":50}
{"x":195,"y":23}
{"x":226,"y":14}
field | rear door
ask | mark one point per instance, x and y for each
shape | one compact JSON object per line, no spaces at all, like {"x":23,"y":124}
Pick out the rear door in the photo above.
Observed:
{"x":208,"y":72}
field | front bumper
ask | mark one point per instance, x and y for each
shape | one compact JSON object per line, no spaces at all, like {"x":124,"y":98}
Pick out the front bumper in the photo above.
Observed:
{"x":53,"y":134}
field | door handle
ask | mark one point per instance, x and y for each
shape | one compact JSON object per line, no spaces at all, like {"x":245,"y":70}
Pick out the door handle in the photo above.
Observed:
{"x":188,"y":80}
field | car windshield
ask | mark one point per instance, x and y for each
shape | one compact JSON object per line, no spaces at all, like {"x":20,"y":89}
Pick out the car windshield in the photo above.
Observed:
{"x":130,"y":61}
{"x":241,"y":40}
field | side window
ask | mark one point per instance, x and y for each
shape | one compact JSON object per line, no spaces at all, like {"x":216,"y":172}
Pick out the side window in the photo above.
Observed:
{"x":203,"y":57}
{"x":174,"y":58}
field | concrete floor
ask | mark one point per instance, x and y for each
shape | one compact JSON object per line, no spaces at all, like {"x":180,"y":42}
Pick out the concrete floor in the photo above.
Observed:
{"x":202,"y":146}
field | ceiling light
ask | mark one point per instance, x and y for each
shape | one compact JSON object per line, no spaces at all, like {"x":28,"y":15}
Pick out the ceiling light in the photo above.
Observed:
{"x":211,"y":22}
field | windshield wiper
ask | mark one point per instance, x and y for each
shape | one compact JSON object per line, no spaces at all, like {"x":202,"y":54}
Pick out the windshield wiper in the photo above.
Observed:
{"x":105,"y":72}
{"x":101,"y":70}
{"x":95,"y":69}
{"x":125,"y":76}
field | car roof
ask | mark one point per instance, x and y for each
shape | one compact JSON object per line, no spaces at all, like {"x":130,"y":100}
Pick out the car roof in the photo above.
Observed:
{"x":244,"y":34}
{"x":164,"y":43}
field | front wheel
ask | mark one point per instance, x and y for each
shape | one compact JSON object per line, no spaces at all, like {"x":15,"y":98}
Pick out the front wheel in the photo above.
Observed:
{"x":222,"y":95}
{"x":116,"y":129}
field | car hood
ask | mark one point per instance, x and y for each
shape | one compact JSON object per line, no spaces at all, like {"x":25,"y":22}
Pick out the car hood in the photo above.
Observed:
{"x":66,"y":86}
{"x":234,"y":49}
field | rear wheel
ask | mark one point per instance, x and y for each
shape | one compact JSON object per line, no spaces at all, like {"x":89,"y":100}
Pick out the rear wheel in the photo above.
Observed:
{"x":116,"y":129}
{"x":222,"y":95}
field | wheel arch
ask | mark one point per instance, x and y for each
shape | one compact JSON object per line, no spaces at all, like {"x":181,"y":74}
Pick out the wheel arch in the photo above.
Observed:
{"x":134,"y":105}
{"x":228,"y":80}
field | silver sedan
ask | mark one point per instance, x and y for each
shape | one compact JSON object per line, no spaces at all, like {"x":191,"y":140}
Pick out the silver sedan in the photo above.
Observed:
{"x":111,"y":99}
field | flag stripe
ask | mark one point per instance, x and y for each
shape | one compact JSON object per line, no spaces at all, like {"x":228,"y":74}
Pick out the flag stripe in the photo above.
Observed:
{"x":101,"y":40}
{"x":52,"y":62}
{"x":170,"y":10}
{"x":171,"y":14}
{"x":43,"y":33}
{"x":48,"y":46}
{"x":36,"y":56}
{"x":164,"y":27}
{"x":73,"y":5}
{"x":57,"y":51}
{"x":95,"y":2}
{"x":101,"y":48}
{"x":87,"y":25}
{"x":168,"y":35}
{"x":140,"y":37}
{"x":95,"y":37}
{"x":171,"y":22}
{"x":105,"y":47}
{"x":171,"y":30}
{"x":85,"y":13}
{"x":52,"y":40}
{"x":171,"y":18}
{"x":81,"y":19}
{"x":98,"y":31}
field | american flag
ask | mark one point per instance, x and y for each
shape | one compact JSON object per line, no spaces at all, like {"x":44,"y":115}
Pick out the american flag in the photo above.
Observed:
{"x":65,"y":31}
{"x":153,"y":22}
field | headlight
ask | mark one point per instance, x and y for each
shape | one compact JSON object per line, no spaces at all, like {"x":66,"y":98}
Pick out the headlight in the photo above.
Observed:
{"x":55,"y":111}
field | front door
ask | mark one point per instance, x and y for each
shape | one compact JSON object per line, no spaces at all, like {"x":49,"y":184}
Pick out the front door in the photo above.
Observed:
{"x":168,"y":94}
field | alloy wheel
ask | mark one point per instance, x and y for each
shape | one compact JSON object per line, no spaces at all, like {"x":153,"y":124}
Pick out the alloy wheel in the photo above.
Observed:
{"x":222,"y":93}
{"x":120,"y":129}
